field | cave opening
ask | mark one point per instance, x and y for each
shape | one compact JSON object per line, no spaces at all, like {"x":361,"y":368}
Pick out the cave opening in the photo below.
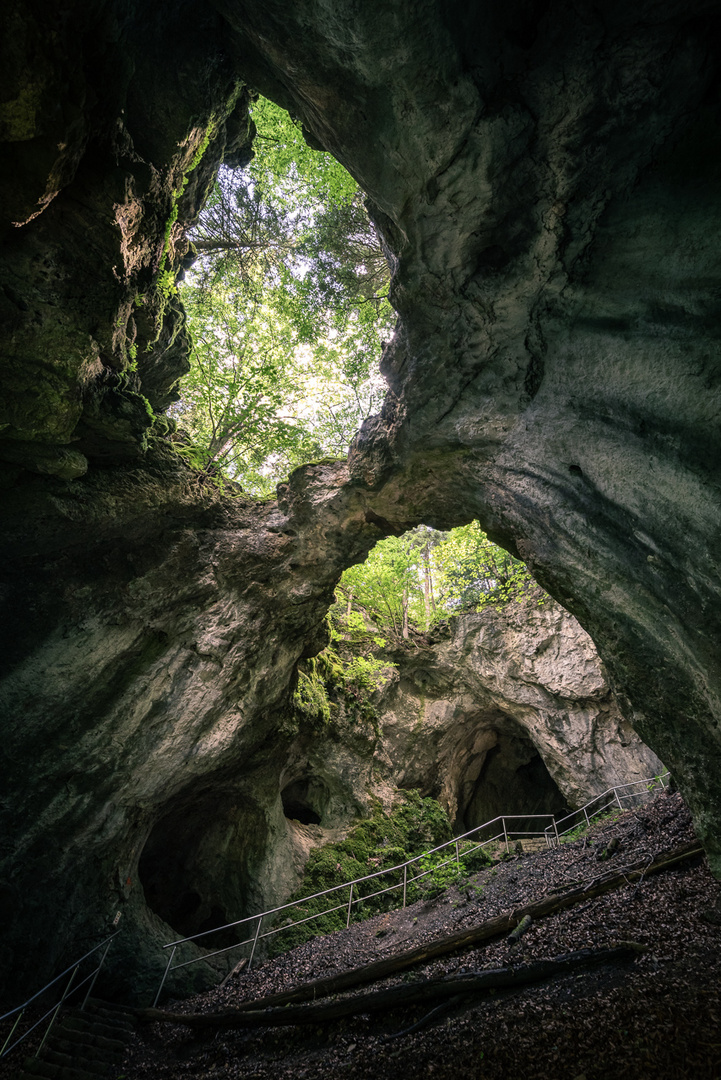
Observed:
{"x":410,"y":585}
{"x":286,"y":297}
{"x":513,"y":780}
{"x":304,"y":800}
{"x":199,"y":865}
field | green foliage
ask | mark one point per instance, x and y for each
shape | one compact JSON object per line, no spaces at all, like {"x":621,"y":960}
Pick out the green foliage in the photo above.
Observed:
{"x":380,"y":841}
{"x":287,"y":162}
{"x":286,"y":307}
{"x":332,"y":689}
{"x":442,"y":869}
{"x":165,"y":282}
{"x":391,"y":581}
{"x":310,"y":699}
{"x":473,"y":572}
{"x":412,"y":581}
{"x":365,"y":673}
{"x":585,"y":827}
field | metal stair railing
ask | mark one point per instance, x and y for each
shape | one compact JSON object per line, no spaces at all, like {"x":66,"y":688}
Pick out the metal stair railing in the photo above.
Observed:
{"x":551,"y":834}
{"x":504,"y":835}
{"x":69,"y":990}
{"x":611,"y":799}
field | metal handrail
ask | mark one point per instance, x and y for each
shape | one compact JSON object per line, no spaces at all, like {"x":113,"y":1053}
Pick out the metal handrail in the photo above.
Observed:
{"x":551,"y":834}
{"x":55,"y":1007}
{"x":616,"y":800}
{"x":505,"y":835}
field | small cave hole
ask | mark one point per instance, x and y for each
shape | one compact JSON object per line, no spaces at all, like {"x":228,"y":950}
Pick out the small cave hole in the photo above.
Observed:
{"x":514,"y":780}
{"x":299,"y":803}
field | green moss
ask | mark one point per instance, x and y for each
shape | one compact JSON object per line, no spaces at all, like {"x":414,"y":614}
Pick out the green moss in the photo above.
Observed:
{"x":165,"y":280}
{"x":311,"y":704}
{"x":333,"y":691}
{"x":18,"y":118}
{"x":381,"y":841}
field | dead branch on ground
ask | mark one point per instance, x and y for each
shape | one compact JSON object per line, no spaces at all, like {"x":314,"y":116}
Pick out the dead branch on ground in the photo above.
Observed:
{"x":448,"y":987}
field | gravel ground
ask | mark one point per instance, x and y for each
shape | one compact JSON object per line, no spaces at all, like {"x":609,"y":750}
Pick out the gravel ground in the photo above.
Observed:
{"x":657,"y":1017}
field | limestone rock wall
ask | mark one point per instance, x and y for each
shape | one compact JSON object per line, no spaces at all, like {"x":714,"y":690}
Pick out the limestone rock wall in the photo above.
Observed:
{"x":502,"y":686}
{"x":547,"y":181}
{"x":502,"y":711}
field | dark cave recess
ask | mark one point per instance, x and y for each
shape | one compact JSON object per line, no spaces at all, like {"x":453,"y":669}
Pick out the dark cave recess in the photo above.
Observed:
{"x":201,"y":865}
{"x":513,"y":781}
{"x":305,"y":800}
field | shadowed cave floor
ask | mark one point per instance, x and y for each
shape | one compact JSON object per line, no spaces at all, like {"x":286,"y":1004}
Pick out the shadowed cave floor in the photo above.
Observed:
{"x":658,"y":1017}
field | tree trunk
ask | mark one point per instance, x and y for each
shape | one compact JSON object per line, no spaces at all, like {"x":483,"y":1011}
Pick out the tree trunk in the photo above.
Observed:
{"x":427,"y":586}
{"x":400,"y":996}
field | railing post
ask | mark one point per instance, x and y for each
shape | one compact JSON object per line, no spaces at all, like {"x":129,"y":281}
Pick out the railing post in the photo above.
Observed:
{"x":555,"y":829}
{"x":505,"y":835}
{"x":405,"y":882}
{"x":97,"y":972}
{"x":457,"y":855}
{"x":165,"y":975}
{"x":20,"y":1016}
{"x":57,"y":1009}
{"x":615,"y":792}
{"x":585,"y":814}
{"x":255,"y":942}
{"x":350,"y":904}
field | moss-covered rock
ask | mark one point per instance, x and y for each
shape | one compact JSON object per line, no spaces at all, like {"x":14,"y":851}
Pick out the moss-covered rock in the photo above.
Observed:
{"x":382,"y":841}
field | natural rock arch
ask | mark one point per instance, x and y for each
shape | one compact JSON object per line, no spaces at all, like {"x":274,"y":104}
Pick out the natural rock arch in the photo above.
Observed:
{"x":546,"y":181}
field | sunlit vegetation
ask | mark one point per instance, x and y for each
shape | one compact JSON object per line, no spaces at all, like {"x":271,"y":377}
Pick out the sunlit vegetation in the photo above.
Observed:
{"x":408,"y":583}
{"x":406,"y":588}
{"x":287,"y":308}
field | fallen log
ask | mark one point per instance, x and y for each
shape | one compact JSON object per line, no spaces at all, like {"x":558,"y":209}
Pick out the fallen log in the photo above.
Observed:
{"x":449,"y":987}
{"x":501,"y":924}
{"x":234,"y":973}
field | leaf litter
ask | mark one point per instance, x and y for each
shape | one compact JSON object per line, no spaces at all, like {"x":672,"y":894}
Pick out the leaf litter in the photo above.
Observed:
{"x":657,"y":1017}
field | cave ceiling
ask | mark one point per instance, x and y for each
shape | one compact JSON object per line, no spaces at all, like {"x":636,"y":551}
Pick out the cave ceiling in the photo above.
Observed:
{"x":546,"y":179}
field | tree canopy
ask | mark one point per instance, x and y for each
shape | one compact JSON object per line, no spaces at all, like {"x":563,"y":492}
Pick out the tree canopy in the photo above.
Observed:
{"x":411,"y":582}
{"x":287,"y":308}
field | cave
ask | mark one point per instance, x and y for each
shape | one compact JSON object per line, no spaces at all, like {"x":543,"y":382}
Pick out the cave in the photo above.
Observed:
{"x":513,"y":780}
{"x":546,"y":182}
{"x":200,"y":864}
{"x":304,"y":800}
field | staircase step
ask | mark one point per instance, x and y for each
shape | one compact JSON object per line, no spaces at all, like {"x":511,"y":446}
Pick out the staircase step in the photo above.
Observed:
{"x":69,"y":1035}
{"x":93,"y":1034}
{"x":83,"y":1022}
{"x":76,"y":1061}
{"x":86,"y":1051}
{"x":73,"y":1073}
{"x":83,"y":1047}
{"x":122,"y":1022}
{"x":34,"y":1067}
{"x":111,"y":1010}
